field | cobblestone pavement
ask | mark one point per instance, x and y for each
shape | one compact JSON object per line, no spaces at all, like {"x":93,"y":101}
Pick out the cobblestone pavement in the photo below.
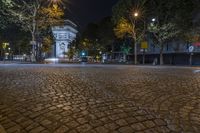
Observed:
{"x":99,"y":99}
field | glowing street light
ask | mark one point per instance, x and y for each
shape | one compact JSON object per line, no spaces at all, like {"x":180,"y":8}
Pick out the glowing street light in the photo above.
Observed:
{"x":153,"y":20}
{"x":136,"y":14}
{"x":83,"y":53}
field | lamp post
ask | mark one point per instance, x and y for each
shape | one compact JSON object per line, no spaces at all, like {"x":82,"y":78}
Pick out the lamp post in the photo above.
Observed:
{"x":153,"y":19}
{"x":135,"y":15}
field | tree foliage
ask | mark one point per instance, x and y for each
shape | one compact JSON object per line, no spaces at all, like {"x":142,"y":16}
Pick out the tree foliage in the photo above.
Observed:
{"x":120,"y":10}
{"x":105,"y":34}
{"x":47,"y":43}
{"x":34,"y":16}
{"x":163,"y":32}
{"x":130,"y":22}
{"x":166,"y":22}
{"x":173,"y":18}
{"x":126,"y":23}
{"x":4,"y":19}
{"x":97,"y":37}
{"x":123,"y":28}
{"x":50,"y":16}
{"x":180,"y":13}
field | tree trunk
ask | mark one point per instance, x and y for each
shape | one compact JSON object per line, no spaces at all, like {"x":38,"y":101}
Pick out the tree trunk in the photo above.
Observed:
{"x":135,"y":53}
{"x":135,"y":49}
{"x":33,"y":47}
{"x":34,"y":36}
{"x":161,"y":54}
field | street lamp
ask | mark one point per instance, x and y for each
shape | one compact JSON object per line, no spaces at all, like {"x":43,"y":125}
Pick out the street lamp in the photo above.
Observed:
{"x":136,"y":14}
{"x":153,"y":20}
{"x":83,"y":54}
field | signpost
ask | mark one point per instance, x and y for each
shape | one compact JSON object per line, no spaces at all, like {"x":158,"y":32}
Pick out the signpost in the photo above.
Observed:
{"x":144,"y":47}
{"x":191,"y":49}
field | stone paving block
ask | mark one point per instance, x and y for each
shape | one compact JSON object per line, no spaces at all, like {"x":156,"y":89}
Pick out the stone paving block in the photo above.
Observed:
{"x":102,"y":129}
{"x":45,"y":122}
{"x":14,"y":129}
{"x":2,"y":130}
{"x":84,"y":128}
{"x":121,"y":122}
{"x":126,"y":129}
{"x":111,"y":126}
{"x":149,"y":124}
{"x":37,"y":129}
{"x":95,"y":123}
{"x":138,"y":126}
{"x":32,"y":126}
{"x":62,"y":129}
{"x":72,"y":124}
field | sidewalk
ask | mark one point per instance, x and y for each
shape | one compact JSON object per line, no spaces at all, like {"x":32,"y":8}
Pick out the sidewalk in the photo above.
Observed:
{"x":8,"y":62}
{"x":13,"y":62}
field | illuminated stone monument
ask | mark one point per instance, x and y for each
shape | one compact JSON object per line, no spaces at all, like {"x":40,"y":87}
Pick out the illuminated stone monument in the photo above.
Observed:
{"x":63,"y":36}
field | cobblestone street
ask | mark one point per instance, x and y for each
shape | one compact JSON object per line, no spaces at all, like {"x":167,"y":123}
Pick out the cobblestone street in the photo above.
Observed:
{"x":99,"y":99}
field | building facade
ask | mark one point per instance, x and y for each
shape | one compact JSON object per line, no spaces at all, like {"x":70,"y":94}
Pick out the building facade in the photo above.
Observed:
{"x":175,"y":52}
{"x":63,"y":36}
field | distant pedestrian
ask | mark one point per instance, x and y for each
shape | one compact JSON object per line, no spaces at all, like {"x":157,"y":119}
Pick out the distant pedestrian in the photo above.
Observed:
{"x":155,"y":61}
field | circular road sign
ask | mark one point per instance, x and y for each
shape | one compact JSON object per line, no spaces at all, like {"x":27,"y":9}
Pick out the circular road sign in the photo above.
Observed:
{"x":191,"y":49}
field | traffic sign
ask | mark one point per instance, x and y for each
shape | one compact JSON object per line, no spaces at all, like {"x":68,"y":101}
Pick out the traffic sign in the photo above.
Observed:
{"x":33,"y":42}
{"x":144,"y":45}
{"x":191,"y":49}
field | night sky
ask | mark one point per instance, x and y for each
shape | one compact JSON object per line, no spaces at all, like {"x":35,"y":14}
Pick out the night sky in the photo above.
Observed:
{"x":84,"y":11}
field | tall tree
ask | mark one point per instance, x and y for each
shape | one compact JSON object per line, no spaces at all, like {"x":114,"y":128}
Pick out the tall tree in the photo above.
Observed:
{"x":130,"y":22}
{"x":105,"y":34}
{"x":89,"y":39}
{"x":189,"y":19}
{"x":33,"y":15}
{"x":170,"y":20}
{"x":162,"y":34}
